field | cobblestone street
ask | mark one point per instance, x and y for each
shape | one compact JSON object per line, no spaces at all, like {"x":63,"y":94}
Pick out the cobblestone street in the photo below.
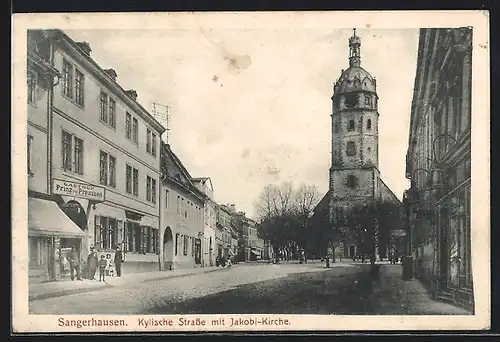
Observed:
{"x":344,"y":289}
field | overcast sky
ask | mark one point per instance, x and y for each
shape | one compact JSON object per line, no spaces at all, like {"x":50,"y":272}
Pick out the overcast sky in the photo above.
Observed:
{"x":252,"y":107}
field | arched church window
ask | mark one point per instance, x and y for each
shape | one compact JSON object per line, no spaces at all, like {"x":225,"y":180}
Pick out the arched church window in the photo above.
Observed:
{"x":351,"y":148}
{"x":350,"y":127}
{"x":369,"y":124}
{"x":351,"y":100}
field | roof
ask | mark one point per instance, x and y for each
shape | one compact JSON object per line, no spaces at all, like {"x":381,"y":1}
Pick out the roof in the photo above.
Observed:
{"x":172,"y":167}
{"x":355,"y":79}
{"x":385,"y":190}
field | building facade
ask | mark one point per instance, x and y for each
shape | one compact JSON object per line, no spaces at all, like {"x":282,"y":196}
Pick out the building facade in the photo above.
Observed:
{"x":439,"y":165}
{"x":224,"y":225}
{"x":181,"y":217}
{"x":104,"y":158}
{"x":354,"y":173}
{"x":209,"y":220}
{"x":50,"y":230}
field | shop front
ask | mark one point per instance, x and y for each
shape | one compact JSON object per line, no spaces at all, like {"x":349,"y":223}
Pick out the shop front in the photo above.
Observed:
{"x":52,"y":235}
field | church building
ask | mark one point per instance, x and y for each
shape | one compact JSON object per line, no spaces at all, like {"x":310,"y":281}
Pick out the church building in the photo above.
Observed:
{"x":354,"y":172}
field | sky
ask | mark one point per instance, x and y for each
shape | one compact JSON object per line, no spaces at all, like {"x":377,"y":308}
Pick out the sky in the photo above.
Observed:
{"x":251,"y":107}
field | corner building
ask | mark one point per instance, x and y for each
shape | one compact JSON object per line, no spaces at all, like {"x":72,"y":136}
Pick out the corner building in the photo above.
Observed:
{"x":105,"y":143}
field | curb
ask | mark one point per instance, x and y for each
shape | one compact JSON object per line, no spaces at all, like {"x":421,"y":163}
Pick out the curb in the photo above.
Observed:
{"x":107,"y":286}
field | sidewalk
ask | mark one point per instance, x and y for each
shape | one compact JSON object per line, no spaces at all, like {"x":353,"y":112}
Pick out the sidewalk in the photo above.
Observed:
{"x":393,"y":296}
{"x":64,"y":288}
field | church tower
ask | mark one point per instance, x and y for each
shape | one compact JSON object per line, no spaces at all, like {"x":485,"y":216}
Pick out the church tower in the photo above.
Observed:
{"x":354,"y":173}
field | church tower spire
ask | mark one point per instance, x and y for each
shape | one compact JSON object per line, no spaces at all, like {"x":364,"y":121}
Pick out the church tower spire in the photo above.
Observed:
{"x":354,"y":50}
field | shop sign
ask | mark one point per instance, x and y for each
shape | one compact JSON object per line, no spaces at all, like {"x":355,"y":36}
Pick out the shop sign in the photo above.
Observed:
{"x":398,"y":232}
{"x":80,"y":190}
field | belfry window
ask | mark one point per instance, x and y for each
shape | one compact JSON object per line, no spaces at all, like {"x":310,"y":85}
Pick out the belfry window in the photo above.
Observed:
{"x":351,"y":148}
{"x":350,"y":127}
{"x":351,"y":100}
{"x":369,"y":124}
{"x":337,"y":126}
{"x":368,"y":100}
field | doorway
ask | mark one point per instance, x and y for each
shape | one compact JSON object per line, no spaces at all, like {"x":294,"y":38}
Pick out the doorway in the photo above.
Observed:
{"x":168,"y":249}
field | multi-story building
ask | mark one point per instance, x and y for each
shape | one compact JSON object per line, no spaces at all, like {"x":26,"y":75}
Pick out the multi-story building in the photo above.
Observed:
{"x":439,"y":164}
{"x":210,"y":220}
{"x":104,"y":158}
{"x":181,"y":215}
{"x":224,"y":225}
{"x":49,"y":228}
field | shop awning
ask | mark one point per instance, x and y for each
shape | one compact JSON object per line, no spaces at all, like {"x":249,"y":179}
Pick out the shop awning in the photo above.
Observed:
{"x":45,"y":218}
{"x":255,"y":252}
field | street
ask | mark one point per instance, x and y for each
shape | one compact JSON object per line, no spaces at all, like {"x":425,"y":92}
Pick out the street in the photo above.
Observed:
{"x":248,"y":288}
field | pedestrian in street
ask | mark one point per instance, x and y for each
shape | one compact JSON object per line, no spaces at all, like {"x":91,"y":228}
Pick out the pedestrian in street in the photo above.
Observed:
{"x":118,"y":261}
{"x":92,"y":261}
{"x":74,"y":264}
{"x":103,"y":263}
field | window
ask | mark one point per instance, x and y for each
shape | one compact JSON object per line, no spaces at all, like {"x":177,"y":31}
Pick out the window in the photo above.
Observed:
{"x":153,"y":144}
{"x":352,"y":181}
{"x":131,"y":180}
{"x":351,"y":100}
{"x":185,"y":245}
{"x":368,"y":100}
{"x":104,"y":107}
{"x":369,"y":124}
{"x":351,"y":148}
{"x":337,"y":126}
{"x":148,"y":140}
{"x":350,"y":127}
{"x":32,"y":85}
{"x":79,"y":87}
{"x":128,"y":126}
{"x":135,"y":130}
{"x":151,"y":189}
{"x":176,"y":243}
{"x":106,"y":234}
{"x":67,"y":79}
{"x":72,"y":150}
{"x":178,"y":205}
{"x":166,"y":198}
{"x":112,"y":113}
{"x":28,"y":153}
{"x":107,"y":167}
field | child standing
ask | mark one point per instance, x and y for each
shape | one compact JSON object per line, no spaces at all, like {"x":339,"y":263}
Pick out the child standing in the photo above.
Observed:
{"x":102,"y":268}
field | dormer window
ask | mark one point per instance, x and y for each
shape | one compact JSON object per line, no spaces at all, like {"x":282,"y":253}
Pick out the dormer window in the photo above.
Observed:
{"x":351,"y":100}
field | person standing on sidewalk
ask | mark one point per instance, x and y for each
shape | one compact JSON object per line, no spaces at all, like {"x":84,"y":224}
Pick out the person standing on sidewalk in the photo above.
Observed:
{"x":74,"y":264}
{"x":118,"y":261}
{"x":92,"y":261}
{"x":103,"y":263}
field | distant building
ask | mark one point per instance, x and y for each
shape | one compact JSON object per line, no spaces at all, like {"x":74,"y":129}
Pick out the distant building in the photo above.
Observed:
{"x":182,"y":224}
{"x":439,"y":164}
{"x":224,"y":222}
{"x":210,"y":220}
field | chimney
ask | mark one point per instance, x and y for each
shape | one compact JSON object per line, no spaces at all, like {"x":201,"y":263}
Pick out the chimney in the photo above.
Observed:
{"x":85,"y":47}
{"x":132,"y":93}
{"x":111,"y":73}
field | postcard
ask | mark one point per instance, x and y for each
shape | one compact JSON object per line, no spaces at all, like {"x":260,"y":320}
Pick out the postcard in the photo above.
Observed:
{"x":250,"y":171}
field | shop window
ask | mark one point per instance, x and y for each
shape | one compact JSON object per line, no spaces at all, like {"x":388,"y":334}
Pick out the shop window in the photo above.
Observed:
{"x":185,"y":245}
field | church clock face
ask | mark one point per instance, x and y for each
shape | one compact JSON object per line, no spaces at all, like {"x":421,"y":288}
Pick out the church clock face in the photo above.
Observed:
{"x":352,"y":181}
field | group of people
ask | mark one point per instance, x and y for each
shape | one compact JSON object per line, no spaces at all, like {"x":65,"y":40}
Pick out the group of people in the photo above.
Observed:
{"x":103,"y":264}
{"x":222,"y":261}
{"x":94,"y":263}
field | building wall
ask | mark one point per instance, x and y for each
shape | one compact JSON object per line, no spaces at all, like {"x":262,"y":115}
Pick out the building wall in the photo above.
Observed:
{"x":210,"y":221}
{"x":438,"y":159}
{"x":183,"y":215}
{"x":83,"y":121}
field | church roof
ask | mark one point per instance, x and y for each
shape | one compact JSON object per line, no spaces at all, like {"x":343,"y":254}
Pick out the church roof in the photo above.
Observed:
{"x":355,"y":79}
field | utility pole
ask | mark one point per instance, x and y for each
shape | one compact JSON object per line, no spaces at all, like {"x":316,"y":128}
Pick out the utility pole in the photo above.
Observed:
{"x":162,"y":114}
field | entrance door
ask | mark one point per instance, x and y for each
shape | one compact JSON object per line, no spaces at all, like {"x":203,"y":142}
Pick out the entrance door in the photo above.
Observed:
{"x":168,"y":249}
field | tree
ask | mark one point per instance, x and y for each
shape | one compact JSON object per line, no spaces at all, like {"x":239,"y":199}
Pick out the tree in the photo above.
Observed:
{"x":305,"y":200}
